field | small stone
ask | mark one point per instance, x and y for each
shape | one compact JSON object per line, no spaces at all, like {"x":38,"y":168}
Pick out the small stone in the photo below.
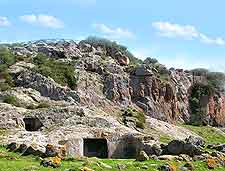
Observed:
{"x":168,"y":157}
{"x":121,"y":166}
{"x":144,"y":167}
{"x":167,"y":167}
{"x":187,"y":167}
{"x":104,"y":166}
{"x":142,"y":156}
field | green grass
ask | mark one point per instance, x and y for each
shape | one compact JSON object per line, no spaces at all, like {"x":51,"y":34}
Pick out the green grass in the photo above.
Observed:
{"x":210,"y":134}
{"x":10,"y":161}
{"x":165,"y":139}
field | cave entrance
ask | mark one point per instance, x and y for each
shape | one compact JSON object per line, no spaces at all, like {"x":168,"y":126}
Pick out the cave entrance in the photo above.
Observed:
{"x":96,"y":148}
{"x":32,"y":124}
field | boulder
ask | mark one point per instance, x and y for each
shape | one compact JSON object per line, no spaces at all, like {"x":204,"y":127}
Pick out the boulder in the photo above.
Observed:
{"x":167,"y":167}
{"x":51,"y":162}
{"x":12,"y":146}
{"x":176,"y":147}
{"x":187,"y":167}
{"x":198,"y":141}
{"x":122,"y":59}
{"x":168,"y":157}
{"x":142,"y":156}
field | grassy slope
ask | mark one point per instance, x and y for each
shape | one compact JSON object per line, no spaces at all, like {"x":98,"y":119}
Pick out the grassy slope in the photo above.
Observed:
{"x":211,"y":135}
{"x":14,"y":162}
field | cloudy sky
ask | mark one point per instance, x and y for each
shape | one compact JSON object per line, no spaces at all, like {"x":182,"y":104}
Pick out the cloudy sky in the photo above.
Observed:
{"x":183,"y":34}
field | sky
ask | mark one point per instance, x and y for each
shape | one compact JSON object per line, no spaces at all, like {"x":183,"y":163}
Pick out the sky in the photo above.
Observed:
{"x":182,"y":34}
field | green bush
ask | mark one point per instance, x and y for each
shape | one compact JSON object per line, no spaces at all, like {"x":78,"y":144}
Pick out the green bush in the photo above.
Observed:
{"x":4,"y":87}
{"x":112,"y":47}
{"x":43,"y":105}
{"x":215,"y":79}
{"x":6,"y":57}
{"x":39,"y":106}
{"x":150,"y":61}
{"x":61,"y":72}
{"x":11,"y":100}
{"x":198,"y":111}
{"x":200,"y":71}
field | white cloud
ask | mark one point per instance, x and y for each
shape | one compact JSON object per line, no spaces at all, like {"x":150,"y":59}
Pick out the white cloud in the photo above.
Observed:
{"x":4,"y":21}
{"x":208,"y":40}
{"x":187,"y":32}
{"x":175,"y":30}
{"x":43,"y":20}
{"x":114,"y":33}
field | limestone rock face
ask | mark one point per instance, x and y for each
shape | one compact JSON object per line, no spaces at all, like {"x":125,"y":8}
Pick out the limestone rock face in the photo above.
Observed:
{"x":56,"y":50}
{"x":46,"y":86}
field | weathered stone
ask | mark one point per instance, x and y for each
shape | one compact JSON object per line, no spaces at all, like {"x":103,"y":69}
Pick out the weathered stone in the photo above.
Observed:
{"x":51,"y":162}
{"x":187,"y":167}
{"x":142,"y":156}
{"x":167,"y":167}
{"x":168,"y":157}
{"x":175,"y":147}
{"x":12,"y":146}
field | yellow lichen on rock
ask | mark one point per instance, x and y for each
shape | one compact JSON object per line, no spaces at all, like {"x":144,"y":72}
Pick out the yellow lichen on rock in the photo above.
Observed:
{"x":55,"y":160}
{"x":212,"y":163}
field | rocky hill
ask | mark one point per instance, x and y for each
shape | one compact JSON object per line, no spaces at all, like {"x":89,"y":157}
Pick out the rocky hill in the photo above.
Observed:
{"x":66,"y":93}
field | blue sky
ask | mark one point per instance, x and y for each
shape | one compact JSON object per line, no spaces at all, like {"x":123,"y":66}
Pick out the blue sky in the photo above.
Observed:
{"x":183,"y":34}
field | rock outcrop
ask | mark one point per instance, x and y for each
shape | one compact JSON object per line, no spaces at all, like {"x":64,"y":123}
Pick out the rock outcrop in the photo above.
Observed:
{"x":106,"y":86}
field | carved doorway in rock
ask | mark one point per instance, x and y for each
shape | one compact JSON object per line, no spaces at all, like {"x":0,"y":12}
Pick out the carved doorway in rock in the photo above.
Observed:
{"x":32,"y":124}
{"x":95,"y":148}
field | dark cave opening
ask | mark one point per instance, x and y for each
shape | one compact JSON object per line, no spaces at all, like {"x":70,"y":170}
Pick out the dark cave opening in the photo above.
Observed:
{"x":96,"y":148}
{"x":32,"y":124}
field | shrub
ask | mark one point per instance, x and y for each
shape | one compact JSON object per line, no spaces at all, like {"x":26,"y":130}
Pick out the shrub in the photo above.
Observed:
{"x":11,"y":100}
{"x":43,"y":105}
{"x":150,"y":61}
{"x":199,"y":71}
{"x":6,"y":56}
{"x":61,"y":72}
{"x":4,"y":87}
{"x":112,"y":47}
{"x":216,"y":80}
{"x":198,"y":111}
{"x":140,"y":117}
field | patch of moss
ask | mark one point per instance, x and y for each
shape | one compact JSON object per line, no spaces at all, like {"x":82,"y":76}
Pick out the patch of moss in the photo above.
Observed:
{"x":164,"y":139}
{"x":11,"y":100}
{"x":139,"y":117}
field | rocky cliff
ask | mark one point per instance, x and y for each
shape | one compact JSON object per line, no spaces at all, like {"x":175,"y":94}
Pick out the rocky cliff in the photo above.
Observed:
{"x":105,"y":82}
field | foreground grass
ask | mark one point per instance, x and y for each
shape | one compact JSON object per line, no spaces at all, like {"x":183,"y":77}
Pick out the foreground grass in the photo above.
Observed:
{"x":211,"y":135}
{"x":14,"y":162}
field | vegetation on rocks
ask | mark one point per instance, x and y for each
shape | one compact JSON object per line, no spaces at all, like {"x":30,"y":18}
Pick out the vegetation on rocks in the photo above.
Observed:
{"x":11,"y":100}
{"x":63,"y":73}
{"x":211,"y":135}
{"x":139,"y":117}
{"x":7,"y":58}
{"x":112,"y":47}
{"x":13,"y":162}
{"x":215,"y":79}
{"x":199,"y":94}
